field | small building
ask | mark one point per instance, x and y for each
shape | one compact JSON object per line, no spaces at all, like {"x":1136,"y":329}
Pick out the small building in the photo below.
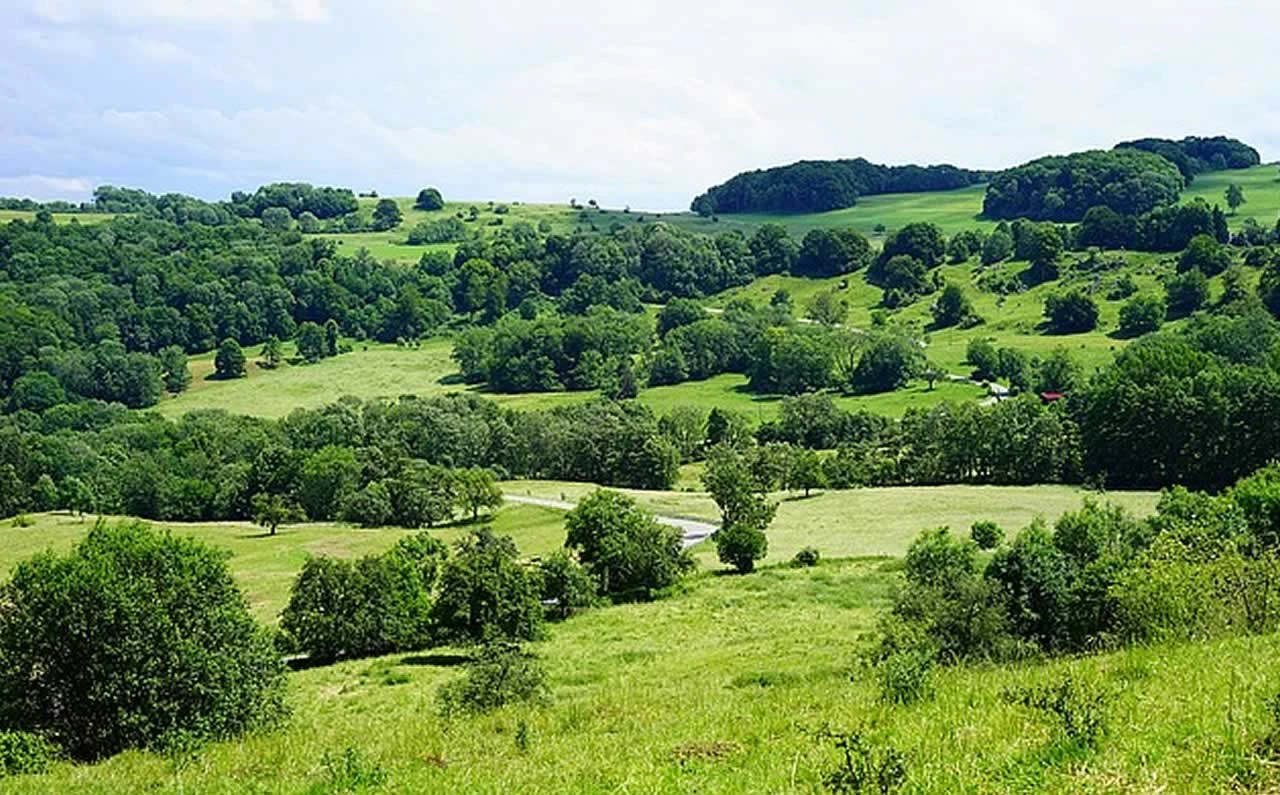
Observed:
{"x":1051,"y":397}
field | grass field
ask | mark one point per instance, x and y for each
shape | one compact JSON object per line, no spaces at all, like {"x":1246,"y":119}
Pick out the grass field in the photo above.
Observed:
{"x":1261,"y":186}
{"x":264,"y":565}
{"x":60,"y":218}
{"x":723,"y":688}
{"x":864,"y":522}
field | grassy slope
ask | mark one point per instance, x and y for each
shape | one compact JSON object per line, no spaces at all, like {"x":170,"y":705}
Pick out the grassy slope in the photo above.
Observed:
{"x":61,"y":218}
{"x":719,"y":689}
{"x":956,"y":210}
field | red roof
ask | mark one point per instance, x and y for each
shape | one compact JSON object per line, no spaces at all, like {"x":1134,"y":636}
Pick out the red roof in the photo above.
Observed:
{"x":1050,"y":397}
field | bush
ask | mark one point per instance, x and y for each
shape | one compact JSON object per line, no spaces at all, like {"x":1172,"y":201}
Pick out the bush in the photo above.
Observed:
{"x":375,"y":605}
{"x":740,"y":545}
{"x":22,"y":520}
{"x":1071,"y":313}
{"x":1141,"y":315}
{"x":906,"y":675}
{"x":23,"y":753}
{"x":1079,"y":707}
{"x":806,"y":558}
{"x":485,"y":594}
{"x":624,"y":546}
{"x":501,"y":674}
{"x":1186,"y":292}
{"x":351,"y":771}
{"x":862,"y":766}
{"x":133,"y":639}
{"x":987,"y":535}
{"x":566,"y":585}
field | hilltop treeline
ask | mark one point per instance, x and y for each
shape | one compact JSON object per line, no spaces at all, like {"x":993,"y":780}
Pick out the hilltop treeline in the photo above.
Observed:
{"x":812,"y":186}
{"x":1127,"y":181}
{"x":1193,"y":155}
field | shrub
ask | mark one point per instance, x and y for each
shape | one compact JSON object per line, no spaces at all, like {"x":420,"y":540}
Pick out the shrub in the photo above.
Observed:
{"x":351,"y":771}
{"x":740,"y":545}
{"x":23,"y":753}
{"x":1141,"y":315}
{"x":22,"y":520}
{"x":987,"y":535}
{"x":862,"y":766}
{"x":566,"y":585}
{"x":906,"y":675}
{"x":1071,"y":313}
{"x":131,"y":640}
{"x":501,"y":674}
{"x":806,"y":557}
{"x":375,"y":605}
{"x":1079,"y":707}
{"x":485,"y":594}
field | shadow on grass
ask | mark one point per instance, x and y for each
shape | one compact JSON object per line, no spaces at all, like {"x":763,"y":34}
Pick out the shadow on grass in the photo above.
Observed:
{"x":439,"y":660}
{"x":452,"y":379}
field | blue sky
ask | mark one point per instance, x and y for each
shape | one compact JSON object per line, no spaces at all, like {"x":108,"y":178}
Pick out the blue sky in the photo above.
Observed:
{"x":630,"y":103}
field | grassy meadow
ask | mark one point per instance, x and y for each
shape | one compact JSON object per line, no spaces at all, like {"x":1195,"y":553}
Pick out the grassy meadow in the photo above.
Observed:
{"x":724,"y":687}
{"x":58,"y":218}
{"x":265,"y":565}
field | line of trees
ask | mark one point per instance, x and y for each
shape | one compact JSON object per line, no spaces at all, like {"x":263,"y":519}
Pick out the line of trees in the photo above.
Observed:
{"x":810,"y":186}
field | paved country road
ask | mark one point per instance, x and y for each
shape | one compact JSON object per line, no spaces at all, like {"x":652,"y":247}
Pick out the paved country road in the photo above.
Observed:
{"x":692,"y":530}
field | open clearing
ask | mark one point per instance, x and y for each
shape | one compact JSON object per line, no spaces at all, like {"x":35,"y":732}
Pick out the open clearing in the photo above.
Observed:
{"x":864,"y":522}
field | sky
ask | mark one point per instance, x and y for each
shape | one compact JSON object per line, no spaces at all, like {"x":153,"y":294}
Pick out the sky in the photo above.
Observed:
{"x":633,"y":103}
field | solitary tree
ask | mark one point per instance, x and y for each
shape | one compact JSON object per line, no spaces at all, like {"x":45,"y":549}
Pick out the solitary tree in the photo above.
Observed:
{"x":828,"y":308}
{"x":331,"y":337}
{"x":229,"y":361}
{"x":623,"y":546}
{"x":1235,"y":197}
{"x":272,"y":353}
{"x":174,"y":369}
{"x":477,"y":491}
{"x":429,"y":199}
{"x":386,"y":215}
{"x":136,"y":638}
{"x":311,"y":342}
{"x":745,"y":510}
{"x":271,"y":511}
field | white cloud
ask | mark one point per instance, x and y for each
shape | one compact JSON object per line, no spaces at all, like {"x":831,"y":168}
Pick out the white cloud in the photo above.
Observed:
{"x":46,"y":187}
{"x":640,"y":103}
{"x":180,"y":11}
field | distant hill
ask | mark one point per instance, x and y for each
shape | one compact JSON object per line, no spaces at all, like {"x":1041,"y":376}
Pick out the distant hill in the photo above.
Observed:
{"x":1193,"y":155}
{"x":811,"y":186}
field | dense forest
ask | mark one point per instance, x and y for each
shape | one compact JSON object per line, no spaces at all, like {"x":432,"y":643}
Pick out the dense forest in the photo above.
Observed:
{"x":812,"y":186}
{"x":1168,"y":411}
{"x":1193,"y":155}
{"x":1127,"y":181}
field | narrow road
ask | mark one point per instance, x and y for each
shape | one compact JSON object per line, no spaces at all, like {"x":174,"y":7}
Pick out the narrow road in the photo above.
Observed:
{"x":692,"y":530}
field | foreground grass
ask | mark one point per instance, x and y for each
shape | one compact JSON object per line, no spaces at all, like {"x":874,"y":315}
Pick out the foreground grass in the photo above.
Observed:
{"x":721,"y":688}
{"x":264,"y":565}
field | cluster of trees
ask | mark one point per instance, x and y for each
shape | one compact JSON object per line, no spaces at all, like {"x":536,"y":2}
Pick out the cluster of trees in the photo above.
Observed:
{"x":1062,"y":188}
{"x":420,"y":593}
{"x":820,"y":185}
{"x":1202,"y":566}
{"x":1194,"y":155}
{"x":552,"y":352}
{"x":409,"y":462}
